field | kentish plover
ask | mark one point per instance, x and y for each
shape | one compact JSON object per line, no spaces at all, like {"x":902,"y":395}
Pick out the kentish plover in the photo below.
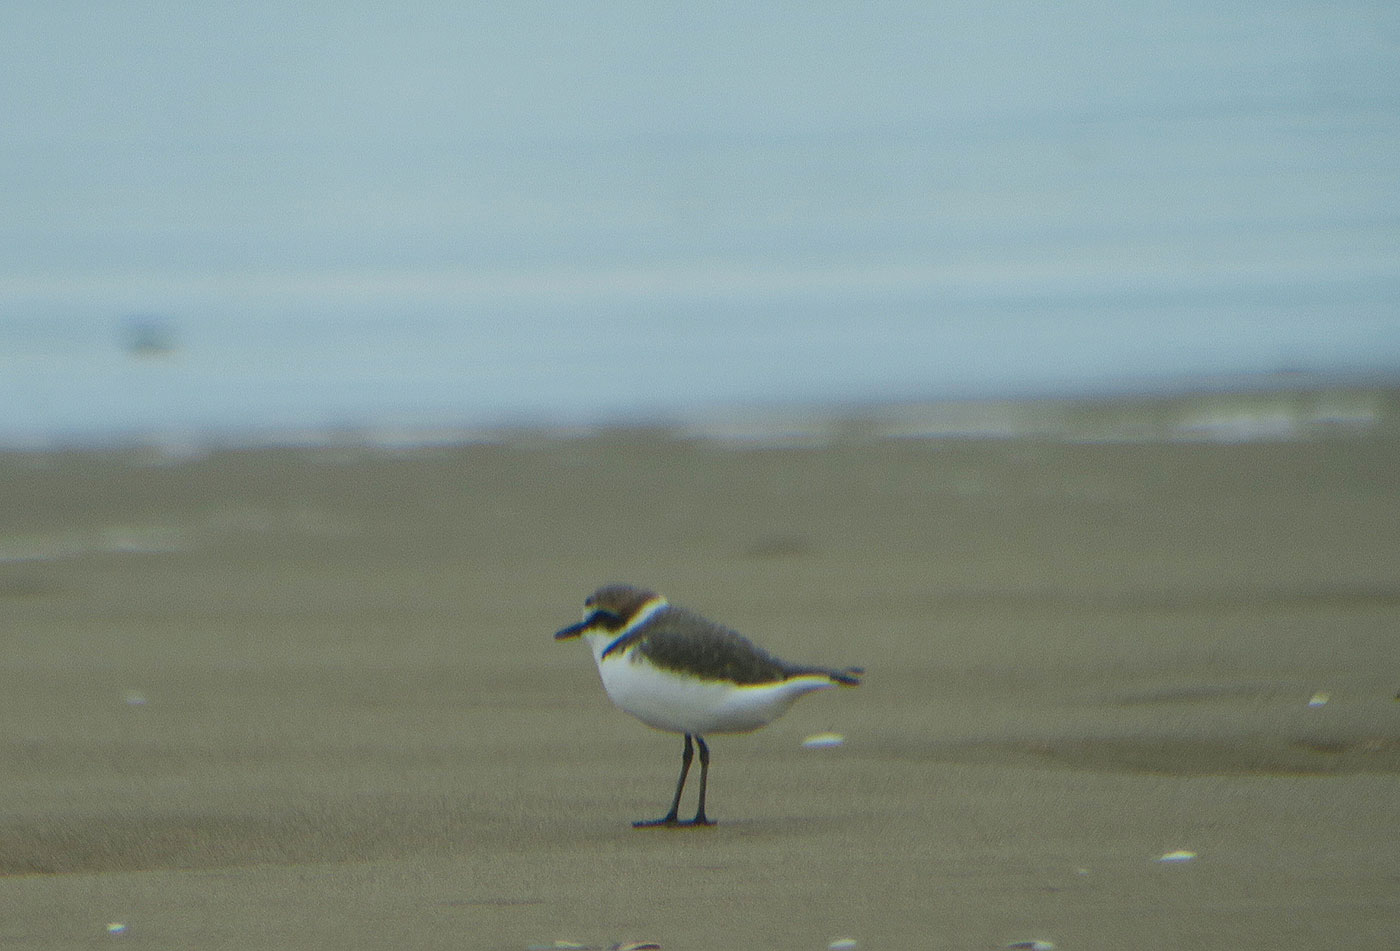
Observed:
{"x":676,"y":671}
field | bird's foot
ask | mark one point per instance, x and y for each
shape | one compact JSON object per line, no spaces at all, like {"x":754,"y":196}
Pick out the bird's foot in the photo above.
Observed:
{"x":671,"y":822}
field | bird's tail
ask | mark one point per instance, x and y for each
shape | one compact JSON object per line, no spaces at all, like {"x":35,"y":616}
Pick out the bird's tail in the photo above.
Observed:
{"x":850,"y":677}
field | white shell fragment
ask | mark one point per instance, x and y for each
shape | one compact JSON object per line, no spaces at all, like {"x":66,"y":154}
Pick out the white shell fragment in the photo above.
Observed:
{"x":1033,"y":945}
{"x":1179,"y":856}
{"x":1319,"y":699}
{"x":842,"y":944}
{"x":823,"y":741}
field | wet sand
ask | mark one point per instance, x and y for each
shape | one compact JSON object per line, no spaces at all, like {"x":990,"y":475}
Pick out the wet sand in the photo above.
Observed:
{"x":308,"y":698}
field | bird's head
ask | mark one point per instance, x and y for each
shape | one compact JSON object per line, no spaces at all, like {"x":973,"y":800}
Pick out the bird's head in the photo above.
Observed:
{"x":610,"y":609}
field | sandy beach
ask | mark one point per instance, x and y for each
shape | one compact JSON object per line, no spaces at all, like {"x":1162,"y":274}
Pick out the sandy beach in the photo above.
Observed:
{"x":308,"y":697}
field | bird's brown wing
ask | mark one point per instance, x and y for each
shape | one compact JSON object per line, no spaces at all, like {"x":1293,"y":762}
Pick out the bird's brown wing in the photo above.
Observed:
{"x":680,"y":640}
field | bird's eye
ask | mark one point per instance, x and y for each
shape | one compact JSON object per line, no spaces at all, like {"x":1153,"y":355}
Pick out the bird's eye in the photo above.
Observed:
{"x":605,"y":619}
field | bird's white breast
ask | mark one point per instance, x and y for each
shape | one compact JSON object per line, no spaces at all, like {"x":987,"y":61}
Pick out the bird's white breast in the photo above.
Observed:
{"x":682,"y":703}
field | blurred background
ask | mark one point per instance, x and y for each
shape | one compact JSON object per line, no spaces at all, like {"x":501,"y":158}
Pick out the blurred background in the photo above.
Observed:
{"x":251,"y":220}
{"x":308,"y":696}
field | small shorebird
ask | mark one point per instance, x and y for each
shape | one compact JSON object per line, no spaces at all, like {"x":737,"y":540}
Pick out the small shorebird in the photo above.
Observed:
{"x":676,"y":671}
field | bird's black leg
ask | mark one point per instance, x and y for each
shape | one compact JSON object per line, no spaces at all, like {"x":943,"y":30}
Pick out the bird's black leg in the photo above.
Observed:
{"x":686,"y":755}
{"x":700,"y":818}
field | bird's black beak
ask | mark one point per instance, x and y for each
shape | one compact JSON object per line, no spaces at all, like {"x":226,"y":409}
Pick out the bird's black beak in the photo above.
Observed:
{"x":573,"y":630}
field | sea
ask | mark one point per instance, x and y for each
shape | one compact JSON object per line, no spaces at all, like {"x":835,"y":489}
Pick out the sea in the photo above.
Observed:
{"x":424,"y":222}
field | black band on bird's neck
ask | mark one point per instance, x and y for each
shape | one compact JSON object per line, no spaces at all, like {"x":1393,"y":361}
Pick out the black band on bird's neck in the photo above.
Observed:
{"x":617,"y":642}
